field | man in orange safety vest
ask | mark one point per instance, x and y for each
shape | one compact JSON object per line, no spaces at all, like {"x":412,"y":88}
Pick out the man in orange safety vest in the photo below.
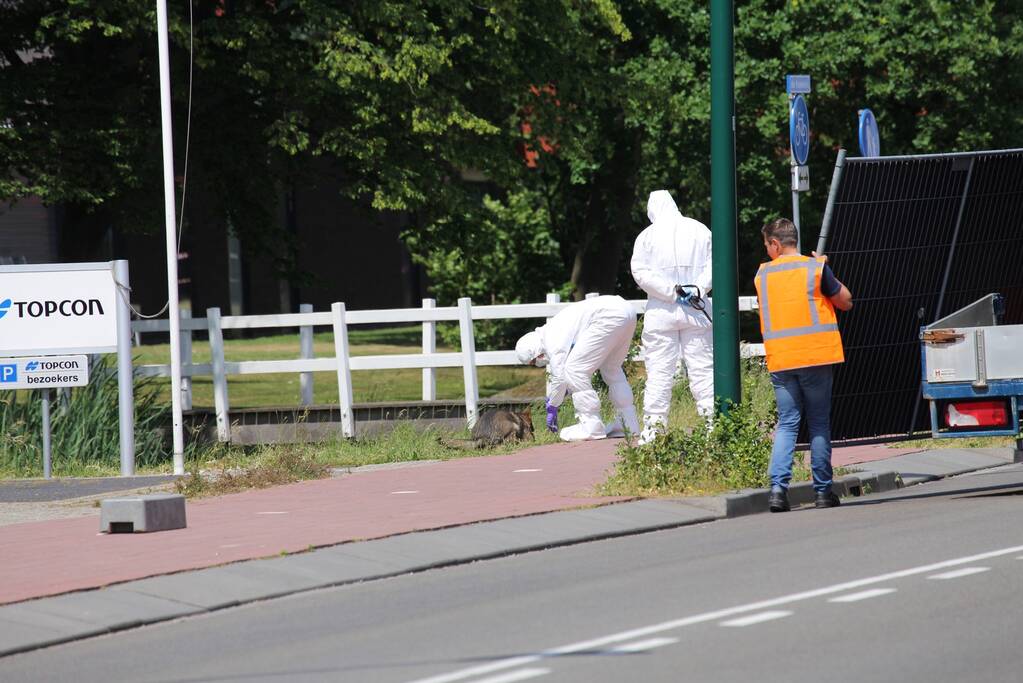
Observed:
{"x":798,"y":296}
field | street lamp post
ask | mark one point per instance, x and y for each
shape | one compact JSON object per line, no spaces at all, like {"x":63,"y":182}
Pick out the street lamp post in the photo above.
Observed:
{"x":170,"y":213}
{"x":722,"y":212}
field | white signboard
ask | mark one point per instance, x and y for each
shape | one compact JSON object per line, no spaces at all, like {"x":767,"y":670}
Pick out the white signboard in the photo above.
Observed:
{"x":44,"y":372}
{"x":53,"y":309}
{"x":800,"y":178}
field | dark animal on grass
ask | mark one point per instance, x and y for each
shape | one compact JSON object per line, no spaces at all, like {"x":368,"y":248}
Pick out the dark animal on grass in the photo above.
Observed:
{"x":495,"y":427}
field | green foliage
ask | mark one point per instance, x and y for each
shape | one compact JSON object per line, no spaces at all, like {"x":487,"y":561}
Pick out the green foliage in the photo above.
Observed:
{"x":217,"y":469}
{"x":85,"y":434}
{"x":694,"y":458}
{"x":401,"y":102}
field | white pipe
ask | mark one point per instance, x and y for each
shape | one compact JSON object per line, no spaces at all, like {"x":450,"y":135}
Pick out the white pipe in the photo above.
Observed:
{"x":170,"y":215}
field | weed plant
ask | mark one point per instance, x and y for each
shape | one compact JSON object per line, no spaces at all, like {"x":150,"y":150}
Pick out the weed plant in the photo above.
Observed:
{"x":85,"y":431}
{"x":694,"y":458}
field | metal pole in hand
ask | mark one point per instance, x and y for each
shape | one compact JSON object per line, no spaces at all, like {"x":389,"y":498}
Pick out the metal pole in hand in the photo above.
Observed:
{"x":46,"y":432}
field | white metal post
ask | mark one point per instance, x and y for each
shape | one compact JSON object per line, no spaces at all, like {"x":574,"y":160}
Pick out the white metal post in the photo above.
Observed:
{"x":220,"y":401}
{"x":472,"y":389}
{"x":795,"y":220}
{"x":170,"y":214}
{"x":344,"y":370}
{"x":125,"y":379}
{"x":45,"y":393}
{"x":552,"y":298}
{"x":305,"y":379}
{"x":186,"y":359}
{"x":429,"y":346}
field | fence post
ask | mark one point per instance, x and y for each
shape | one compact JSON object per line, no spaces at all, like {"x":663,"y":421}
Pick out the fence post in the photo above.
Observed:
{"x":344,"y":370}
{"x":429,"y":346}
{"x":552,"y":298}
{"x":472,"y":389}
{"x":305,"y":379}
{"x":220,"y":403}
{"x":186,"y":360}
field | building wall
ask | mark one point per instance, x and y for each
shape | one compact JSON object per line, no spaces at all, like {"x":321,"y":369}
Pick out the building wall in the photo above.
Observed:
{"x":27,"y":232}
{"x":345,"y":252}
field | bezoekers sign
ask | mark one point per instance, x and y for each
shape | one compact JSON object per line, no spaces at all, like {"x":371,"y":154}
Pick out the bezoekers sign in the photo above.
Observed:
{"x":57,"y":311}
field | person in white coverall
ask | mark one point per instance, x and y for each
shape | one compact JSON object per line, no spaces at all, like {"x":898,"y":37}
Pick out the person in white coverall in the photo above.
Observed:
{"x":586,"y":336}
{"x":673,"y":251}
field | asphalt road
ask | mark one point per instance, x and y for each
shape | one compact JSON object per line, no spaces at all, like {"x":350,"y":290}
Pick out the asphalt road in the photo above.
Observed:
{"x":923,"y":584}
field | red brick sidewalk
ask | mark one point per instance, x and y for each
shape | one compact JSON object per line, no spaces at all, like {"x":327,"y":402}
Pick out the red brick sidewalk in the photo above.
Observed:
{"x":47,"y":558}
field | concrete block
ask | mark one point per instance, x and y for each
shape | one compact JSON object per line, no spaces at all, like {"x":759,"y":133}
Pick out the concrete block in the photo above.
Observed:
{"x":157,"y":512}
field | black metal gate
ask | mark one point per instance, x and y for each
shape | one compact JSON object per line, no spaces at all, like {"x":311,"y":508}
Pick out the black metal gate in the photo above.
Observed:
{"x":916,"y":238}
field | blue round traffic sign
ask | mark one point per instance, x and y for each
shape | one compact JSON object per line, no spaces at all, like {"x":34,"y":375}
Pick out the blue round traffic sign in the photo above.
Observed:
{"x":870,"y":141}
{"x":799,"y":130}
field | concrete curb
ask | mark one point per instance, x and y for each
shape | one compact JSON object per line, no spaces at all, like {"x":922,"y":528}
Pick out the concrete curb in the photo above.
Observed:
{"x":43,"y":622}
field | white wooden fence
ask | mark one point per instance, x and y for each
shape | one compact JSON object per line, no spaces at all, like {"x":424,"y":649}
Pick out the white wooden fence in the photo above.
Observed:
{"x":343,"y":363}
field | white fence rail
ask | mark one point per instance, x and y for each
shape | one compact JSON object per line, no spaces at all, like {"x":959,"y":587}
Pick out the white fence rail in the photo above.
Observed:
{"x":343,"y":363}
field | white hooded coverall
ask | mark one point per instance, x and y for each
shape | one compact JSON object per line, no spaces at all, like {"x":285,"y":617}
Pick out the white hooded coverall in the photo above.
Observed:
{"x":586,"y":336}
{"x":674,"y":250}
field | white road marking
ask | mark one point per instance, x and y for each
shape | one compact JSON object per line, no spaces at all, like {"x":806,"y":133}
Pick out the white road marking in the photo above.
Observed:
{"x":395,"y":493}
{"x":966,"y":571}
{"x":231,"y":545}
{"x":512,"y":676}
{"x":529,"y":470}
{"x":643,"y":631}
{"x":758,"y":618}
{"x":272,"y":512}
{"x":644,"y":645}
{"x":863,"y":595}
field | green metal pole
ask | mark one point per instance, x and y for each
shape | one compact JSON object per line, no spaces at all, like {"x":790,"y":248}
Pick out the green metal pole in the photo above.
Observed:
{"x":727,"y":385}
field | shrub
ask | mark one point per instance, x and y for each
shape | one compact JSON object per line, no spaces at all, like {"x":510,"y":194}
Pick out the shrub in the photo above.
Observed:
{"x":85,"y":431}
{"x":733,"y":453}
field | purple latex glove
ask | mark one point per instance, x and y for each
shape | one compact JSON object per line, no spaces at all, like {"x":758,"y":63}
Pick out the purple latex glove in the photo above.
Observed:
{"x":552,"y":417}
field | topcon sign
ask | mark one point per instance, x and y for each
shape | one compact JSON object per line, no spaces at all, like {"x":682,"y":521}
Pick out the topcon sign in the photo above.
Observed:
{"x":57,"y":309}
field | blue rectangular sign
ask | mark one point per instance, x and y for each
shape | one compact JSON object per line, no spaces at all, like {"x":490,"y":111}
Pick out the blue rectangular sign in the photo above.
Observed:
{"x":9,"y":373}
{"x":797,"y":84}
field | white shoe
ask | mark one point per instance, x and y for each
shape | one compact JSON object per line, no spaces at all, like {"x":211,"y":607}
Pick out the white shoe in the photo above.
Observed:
{"x":651,"y":428}
{"x":647,"y":436}
{"x":615,"y":429}
{"x":583,"y":432}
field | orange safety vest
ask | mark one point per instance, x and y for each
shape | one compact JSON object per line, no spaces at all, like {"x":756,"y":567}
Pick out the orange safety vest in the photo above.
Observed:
{"x":798,"y":322}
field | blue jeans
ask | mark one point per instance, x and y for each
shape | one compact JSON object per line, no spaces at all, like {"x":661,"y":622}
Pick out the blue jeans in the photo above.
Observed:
{"x":803,"y":391}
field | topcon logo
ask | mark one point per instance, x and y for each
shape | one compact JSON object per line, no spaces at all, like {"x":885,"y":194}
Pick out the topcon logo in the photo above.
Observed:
{"x":68,"y":308}
{"x":31,"y":365}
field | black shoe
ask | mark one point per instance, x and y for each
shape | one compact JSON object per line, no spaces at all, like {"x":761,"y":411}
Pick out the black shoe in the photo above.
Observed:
{"x":778,"y":501}
{"x":826,"y":499}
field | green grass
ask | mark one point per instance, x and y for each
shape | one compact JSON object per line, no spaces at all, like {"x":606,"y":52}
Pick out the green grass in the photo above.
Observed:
{"x":251,"y":391}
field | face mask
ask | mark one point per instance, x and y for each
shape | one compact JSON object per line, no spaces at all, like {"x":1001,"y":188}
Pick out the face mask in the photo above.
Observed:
{"x":540,"y":361}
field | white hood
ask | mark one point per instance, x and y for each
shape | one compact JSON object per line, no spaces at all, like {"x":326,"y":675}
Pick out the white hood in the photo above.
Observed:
{"x":529,"y":346}
{"x":660,"y":205}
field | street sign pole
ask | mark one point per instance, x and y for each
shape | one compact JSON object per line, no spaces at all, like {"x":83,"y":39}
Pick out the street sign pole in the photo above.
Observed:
{"x":799,"y":143}
{"x":727,"y":385}
{"x":173,"y":312}
{"x":46,"y":432}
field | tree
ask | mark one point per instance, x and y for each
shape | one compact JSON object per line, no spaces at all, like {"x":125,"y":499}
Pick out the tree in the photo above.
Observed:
{"x":407,"y":101}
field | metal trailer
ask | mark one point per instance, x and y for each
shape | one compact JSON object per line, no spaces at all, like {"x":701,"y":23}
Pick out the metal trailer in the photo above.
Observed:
{"x":972,"y":373}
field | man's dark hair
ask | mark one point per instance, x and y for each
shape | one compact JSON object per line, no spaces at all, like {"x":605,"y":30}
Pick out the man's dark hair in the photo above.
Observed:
{"x":783,"y":230}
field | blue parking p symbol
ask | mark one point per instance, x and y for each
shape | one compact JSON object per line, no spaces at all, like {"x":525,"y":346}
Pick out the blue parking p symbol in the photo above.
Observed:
{"x":8,"y":373}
